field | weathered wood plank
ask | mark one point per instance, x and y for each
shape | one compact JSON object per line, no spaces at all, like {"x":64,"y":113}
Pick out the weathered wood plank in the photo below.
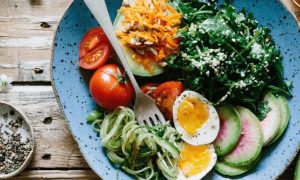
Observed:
{"x":55,"y":147}
{"x":26,"y":35}
{"x":57,"y":174}
{"x":22,"y":64}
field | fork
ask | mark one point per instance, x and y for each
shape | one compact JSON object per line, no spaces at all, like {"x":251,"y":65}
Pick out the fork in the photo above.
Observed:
{"x":146,"y":111}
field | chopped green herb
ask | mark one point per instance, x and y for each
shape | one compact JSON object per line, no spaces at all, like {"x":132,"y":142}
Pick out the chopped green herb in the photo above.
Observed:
{"x":225,"y":55}
{"x":262,"y":110}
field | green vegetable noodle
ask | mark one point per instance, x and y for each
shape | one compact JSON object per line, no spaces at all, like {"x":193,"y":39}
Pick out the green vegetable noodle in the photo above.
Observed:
{"x":142,"y":151}
{"x":225,"y":55}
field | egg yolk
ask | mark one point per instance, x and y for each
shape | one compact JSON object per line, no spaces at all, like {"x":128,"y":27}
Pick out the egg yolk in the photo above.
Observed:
{"x":192,"y":114}
{"x":194,"y":159}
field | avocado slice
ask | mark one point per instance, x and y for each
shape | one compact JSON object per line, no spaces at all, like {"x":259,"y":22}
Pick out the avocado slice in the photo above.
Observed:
{"x":136,"y":68}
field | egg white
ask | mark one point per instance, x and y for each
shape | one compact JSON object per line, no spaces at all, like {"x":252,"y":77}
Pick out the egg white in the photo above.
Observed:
{"x":208,"y":132}
{"x":200,"y":175}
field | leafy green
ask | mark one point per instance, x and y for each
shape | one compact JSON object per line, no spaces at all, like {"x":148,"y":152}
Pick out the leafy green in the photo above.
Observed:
{"x":225,"y":55}
{"x":262,"y":110}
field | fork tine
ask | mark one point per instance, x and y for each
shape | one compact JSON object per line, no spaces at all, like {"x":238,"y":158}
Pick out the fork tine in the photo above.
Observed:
{"x":147,"y":113}
{"x":154,"y":120}
{"x":160,"y":118}
{"x":147,"y":121}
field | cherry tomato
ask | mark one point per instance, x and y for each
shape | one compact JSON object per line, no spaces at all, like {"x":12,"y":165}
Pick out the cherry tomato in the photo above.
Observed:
{"x":165,"y":95}
{"x":91,"y":40}
{"x":96,"y":58}
{"x":94,"y":49}
{"x":149,"y":88}
{"x":109,"y":88}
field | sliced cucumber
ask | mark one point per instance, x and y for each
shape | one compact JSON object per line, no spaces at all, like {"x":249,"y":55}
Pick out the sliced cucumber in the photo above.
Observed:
{"x":228,"y":170}
{"x":284,"y":116}
{"x":136,"y":68}
{"x":250,"y":142}
{"x":230,"y":130}
{"x":271,"y":123}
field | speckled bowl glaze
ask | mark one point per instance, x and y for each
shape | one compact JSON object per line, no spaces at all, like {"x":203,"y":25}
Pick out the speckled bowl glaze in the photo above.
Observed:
{"x":7,"y":113}
{"x":71,"y":85}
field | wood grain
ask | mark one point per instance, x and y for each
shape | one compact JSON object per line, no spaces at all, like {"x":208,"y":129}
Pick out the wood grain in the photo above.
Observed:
{"x":26,"y":34}
{"x":55,"y":147}
{"x":57,"y":174}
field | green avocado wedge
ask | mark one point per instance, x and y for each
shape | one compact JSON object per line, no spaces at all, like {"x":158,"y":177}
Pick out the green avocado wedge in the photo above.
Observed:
{"x":136,"y":68}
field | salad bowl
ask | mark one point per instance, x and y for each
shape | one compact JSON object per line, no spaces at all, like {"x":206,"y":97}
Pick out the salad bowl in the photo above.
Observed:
{"x":70,"y":84}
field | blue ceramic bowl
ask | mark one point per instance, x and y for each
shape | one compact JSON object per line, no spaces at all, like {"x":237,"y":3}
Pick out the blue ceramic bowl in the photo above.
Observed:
{"x":71,"y":85}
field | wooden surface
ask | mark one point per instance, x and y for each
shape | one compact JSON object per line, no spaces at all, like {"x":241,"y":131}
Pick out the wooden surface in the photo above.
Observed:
{"x":27,"y":28}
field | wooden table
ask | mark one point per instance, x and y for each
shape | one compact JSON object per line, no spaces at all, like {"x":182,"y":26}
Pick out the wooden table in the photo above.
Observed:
{"x":27,"y":28}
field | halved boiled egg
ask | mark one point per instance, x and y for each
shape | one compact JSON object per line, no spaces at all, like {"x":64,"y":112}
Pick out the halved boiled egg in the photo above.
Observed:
{"x":196,"y":161}
{"x":195,"y":118}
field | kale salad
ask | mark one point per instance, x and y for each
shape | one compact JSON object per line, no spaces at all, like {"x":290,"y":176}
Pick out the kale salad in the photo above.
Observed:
{"x":226,"y":55}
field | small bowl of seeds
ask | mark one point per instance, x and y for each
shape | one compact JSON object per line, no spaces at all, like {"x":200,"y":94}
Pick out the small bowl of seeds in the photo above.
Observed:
{"x":16,"y":141}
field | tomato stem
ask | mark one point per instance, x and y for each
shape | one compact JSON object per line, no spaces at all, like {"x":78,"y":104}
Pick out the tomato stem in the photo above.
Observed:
{"x":121,"y":78}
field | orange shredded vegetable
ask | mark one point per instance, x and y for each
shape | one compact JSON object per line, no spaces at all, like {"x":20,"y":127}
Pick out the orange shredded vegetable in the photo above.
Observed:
{"x":150,"y":27}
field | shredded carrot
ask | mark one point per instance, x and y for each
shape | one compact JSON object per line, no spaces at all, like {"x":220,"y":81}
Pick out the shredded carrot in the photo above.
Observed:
{"x":150,"y":27}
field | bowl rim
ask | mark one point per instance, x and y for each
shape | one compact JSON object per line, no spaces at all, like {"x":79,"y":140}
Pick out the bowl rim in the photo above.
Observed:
{"x":30,"y":155}
{"x":56,"y":92}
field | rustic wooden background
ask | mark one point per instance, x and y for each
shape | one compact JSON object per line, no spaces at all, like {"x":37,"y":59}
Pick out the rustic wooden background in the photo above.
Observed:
{"x":27,"y":28}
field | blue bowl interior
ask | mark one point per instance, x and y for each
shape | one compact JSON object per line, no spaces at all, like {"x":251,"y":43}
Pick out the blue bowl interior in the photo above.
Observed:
{"x":71,"y":85}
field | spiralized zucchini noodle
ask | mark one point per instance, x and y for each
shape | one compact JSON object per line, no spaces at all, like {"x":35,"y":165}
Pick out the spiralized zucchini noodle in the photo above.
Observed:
{"x":141,"y":151}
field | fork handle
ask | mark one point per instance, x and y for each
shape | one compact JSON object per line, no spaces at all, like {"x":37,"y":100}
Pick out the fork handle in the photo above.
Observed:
{"x":99,"y":10}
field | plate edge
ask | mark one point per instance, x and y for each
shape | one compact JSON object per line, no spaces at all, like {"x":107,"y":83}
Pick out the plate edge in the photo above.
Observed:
{"x":56,"y":94}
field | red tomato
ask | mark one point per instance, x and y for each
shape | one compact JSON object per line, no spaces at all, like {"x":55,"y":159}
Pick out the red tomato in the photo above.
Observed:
{"x":149,"y":88}
{"x":91,"y":40}
{"x":165,"y":95}
{"x":94,"y":49}
{"x":96,"y":58}
{"x":109,"y":88}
